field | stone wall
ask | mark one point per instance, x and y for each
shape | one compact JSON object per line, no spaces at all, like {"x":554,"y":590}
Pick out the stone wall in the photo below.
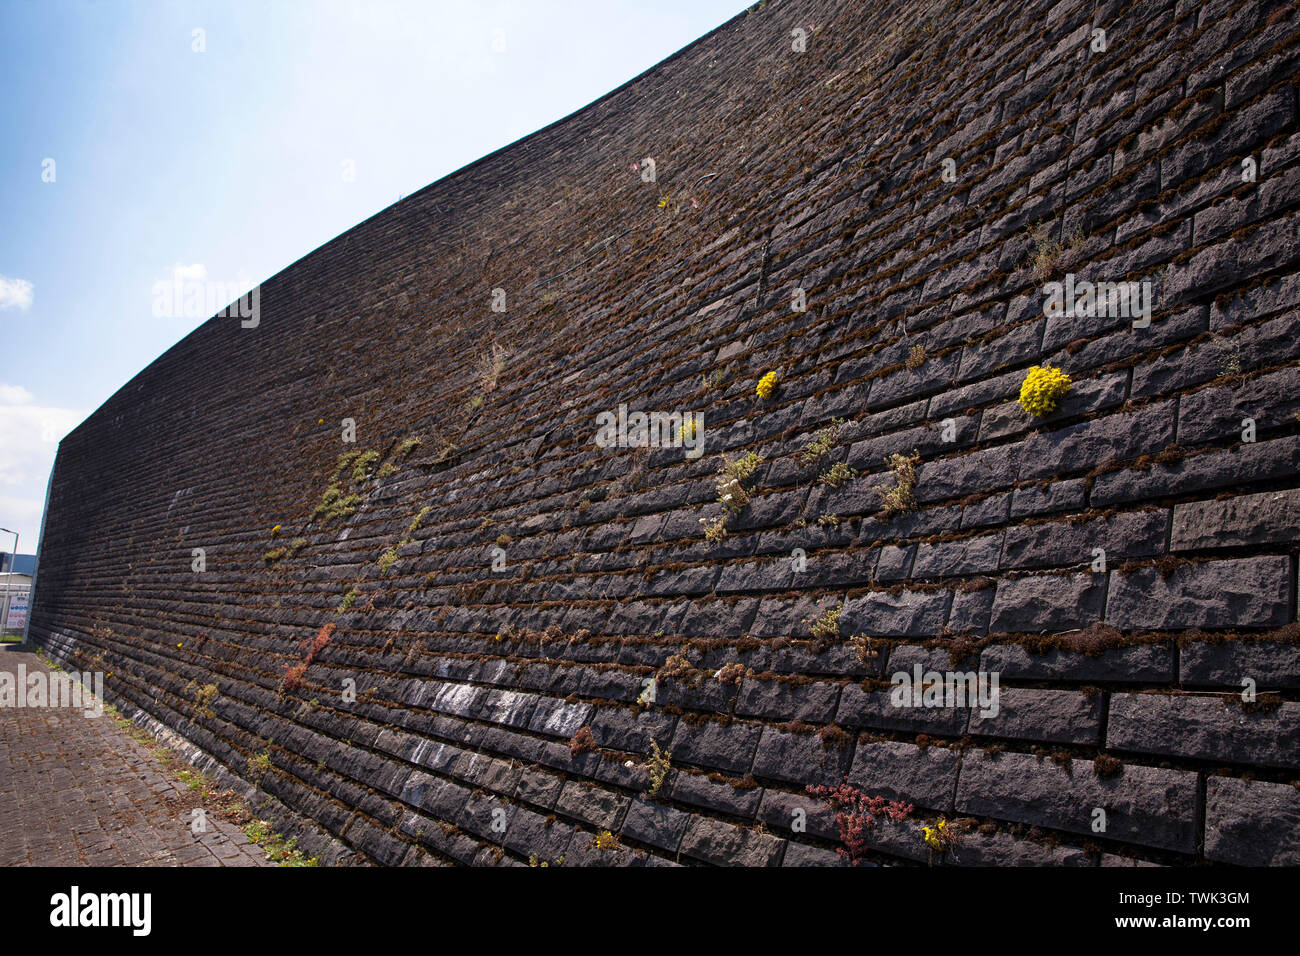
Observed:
{"x":1126,"y":566}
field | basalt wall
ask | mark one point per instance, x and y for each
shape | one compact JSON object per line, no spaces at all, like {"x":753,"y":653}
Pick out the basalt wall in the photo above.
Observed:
{"x":464,"y":642}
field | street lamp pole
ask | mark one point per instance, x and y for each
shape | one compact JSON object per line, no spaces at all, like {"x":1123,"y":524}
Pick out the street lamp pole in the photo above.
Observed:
{"x":13,"y":560}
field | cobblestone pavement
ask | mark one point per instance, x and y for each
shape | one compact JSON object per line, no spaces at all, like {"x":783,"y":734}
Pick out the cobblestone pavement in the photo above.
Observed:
{"x":79,"y":791}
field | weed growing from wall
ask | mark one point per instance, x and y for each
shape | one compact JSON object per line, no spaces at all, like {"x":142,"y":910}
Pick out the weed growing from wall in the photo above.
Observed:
{"x":826,"y":628}
{"x":660,"y":764}
{"x":1042,"y":389}
{"x":857,"y":814}
{"x":732,"y":494}
{"x":837,"y":474}
{"x":900,"y":497}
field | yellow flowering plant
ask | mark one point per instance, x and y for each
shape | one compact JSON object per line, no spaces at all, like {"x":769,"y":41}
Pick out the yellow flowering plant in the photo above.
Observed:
{"x":766,"y":385}
{"x":1042,"y":388}
{"x":941,"y":838}
{"x":934,"y":835}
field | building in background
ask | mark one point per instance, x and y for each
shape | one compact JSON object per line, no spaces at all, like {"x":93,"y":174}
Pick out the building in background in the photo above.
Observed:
{"x":17,"y":564}
{"x":16,"y":573}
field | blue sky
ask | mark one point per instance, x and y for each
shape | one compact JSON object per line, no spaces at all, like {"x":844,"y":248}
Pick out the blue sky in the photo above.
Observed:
{"x":295,"y":122}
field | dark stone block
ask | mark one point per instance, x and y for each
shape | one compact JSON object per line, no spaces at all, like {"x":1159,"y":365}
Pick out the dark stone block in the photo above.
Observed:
{"x":1251,"y":822}
{"x":1248,"y":592}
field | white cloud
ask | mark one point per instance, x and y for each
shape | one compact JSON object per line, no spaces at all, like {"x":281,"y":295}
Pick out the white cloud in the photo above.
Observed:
{"x":29,"y":436}
{"x":15,"y":293}
{"x":21,"y":514}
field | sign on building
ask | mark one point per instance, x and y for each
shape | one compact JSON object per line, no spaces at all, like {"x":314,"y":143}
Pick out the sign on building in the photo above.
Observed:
{"x":17,"y":619}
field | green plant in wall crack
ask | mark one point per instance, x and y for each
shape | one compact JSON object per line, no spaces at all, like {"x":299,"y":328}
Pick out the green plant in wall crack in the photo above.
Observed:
{"x":1047,"y":252}
{"x":335,"y":504}
{"x":277,"y":848}
{"x":205,"y":697}
{"x":856,"y":815}
{"x":820,"y":447}
{"x":417,"y":520}
{"x":345,"y":461}
{"x":866,"y":646}
{"x":942,"y":837}
{"x":712,"y":380}
{"x":490,"y":367}
{"x":732,"y":494}
{"x":825,"y":629}
{"x":259,"y":764}
{"x":659,"y":765}
{"x":362,"y":465}
{"x":742,"y":468}
{"x":900,"y":497}
{"x":837,"y":474}
{"x":715,"y":529}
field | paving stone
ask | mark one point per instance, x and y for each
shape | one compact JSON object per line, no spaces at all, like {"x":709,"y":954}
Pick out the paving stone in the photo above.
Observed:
{"x":133,"y":810}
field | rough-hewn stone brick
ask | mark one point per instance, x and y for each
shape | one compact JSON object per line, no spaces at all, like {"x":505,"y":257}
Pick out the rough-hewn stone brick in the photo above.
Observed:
{"x":1143,"y":805}
{"x":1248,"y":592}
{"x":1054,"y":716}
{"x":1210,"y":728}
{"x":1053,"y":602}
{"x":1249,"y":519}
{"x":1252,"y":822}
{"x":899,"y":771}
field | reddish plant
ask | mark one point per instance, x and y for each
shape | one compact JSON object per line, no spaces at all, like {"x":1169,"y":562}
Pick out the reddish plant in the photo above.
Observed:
{"x":583,"y":742}
{"x":857,"y":815}
{"x":293,"y":678}
{"x":317,"y":643}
